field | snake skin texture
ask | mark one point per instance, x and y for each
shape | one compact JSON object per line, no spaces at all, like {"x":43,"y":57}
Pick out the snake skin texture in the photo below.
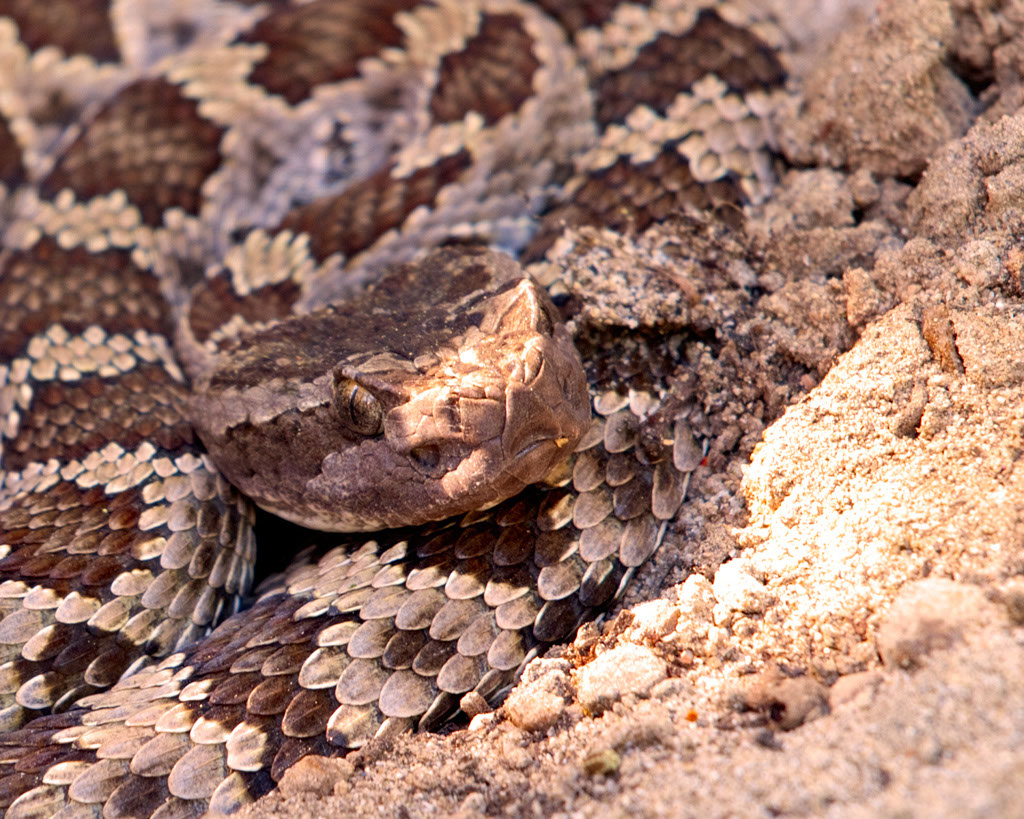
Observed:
{"x":199,"y":171}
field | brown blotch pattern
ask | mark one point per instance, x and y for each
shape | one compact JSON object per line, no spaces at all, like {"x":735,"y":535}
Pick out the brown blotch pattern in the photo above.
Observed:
{"x":215,"y":300}
{"x":47,"y":284}
{"x":322,"y":42}
{"x":574,"y":15}
{"x":74,"y":26}
{"x":150,"y":142}
{"x":41,"y":530}
{"x":492,"y":75}
{"x":71,"y":419}
{"x":354,"y":220}
{"x":671,"y":64}
{"x":628,"y":196}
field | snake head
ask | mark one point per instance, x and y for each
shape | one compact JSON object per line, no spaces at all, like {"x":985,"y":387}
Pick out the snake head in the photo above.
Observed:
{"x":447,"y":386}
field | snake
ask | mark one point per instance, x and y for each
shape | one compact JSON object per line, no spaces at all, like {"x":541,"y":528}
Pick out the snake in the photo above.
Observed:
{"x":295,"y":257}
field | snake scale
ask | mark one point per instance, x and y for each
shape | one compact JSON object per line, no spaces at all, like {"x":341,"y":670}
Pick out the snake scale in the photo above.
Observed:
{"x":265,"y":223}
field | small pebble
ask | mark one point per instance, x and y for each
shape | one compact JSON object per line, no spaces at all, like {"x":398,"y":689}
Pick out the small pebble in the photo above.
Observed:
{"x":654,"y":620}
{"x":736,"y":588}
{"x":696,"y":606}
{"x":315,"y":774}
{"x":534,"y":709}
{"x":473,"y":704}
{"x":483,"y":721}
{"x":863,"y":188}
{"x":856,"y":688}
{"x":540,"y":698}
{"x":474,"y":804}
{"x":602,"y":763}
{"x":672,"y":687}
{"x":512,"y":753}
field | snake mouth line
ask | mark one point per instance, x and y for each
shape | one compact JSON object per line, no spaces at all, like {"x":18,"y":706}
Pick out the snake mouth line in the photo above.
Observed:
{"x":553,"y":443}
{"x":559,"y":442}
{"x":537,"y":457}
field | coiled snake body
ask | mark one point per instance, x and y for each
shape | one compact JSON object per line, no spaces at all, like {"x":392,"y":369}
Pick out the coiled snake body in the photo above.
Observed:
{"x":264,"y":184}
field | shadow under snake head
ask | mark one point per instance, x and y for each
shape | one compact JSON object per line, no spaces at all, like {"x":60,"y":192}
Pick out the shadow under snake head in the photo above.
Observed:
{"x":445,"y":387}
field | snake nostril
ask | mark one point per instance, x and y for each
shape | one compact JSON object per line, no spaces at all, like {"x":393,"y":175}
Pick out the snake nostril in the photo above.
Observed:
{"x":427,"y":459}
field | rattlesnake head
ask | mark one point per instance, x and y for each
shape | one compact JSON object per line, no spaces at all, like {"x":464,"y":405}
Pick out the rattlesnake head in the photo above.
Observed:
{"x":451,"y":378}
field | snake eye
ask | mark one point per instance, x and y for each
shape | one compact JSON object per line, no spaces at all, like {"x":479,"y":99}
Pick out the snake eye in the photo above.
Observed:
{"x":359,"y":408}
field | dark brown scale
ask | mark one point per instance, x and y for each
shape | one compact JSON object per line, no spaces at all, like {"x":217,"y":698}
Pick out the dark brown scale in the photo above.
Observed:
{"x":144,"y":797}
{"x":632,"y":499}
{"x":104,"y":288}
{"x":354,"y":220}
{"x":558,"y":619}
{"x":235,"y":690}
{"x":322,"y":42}
{"x":272,"y":696}
{"x":671,"y":63}
{"x":629,"y":197}
{"x":640,"y":538}
{"x":307,"y":713}
{"x":560,"y":580}
{"x":74,"y":26}
{"x":600,"y":582}
{"x":39,"y":761}
{"x":12,"y":171}
{"x":492,"y":75}
{"x":149,"y":141}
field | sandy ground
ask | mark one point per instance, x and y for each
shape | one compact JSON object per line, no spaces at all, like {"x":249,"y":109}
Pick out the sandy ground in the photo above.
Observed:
{"x":834,"y":627}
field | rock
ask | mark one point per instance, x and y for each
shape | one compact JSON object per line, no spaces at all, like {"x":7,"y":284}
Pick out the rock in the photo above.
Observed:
{"x":540,"y":698}
{"x":602,"y":763}
{"x":864,"y":299}
{"x":653,"y":621}
{"x":893,"y":126}
{"x":472,"y":704}
{"x":696,"y":605}
{"x":628,"y":669}
{"x":534,"y":709}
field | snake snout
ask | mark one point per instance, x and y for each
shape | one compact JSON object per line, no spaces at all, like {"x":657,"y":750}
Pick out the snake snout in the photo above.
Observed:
{"x":538,"y":433}
{"x":547,"y":413}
